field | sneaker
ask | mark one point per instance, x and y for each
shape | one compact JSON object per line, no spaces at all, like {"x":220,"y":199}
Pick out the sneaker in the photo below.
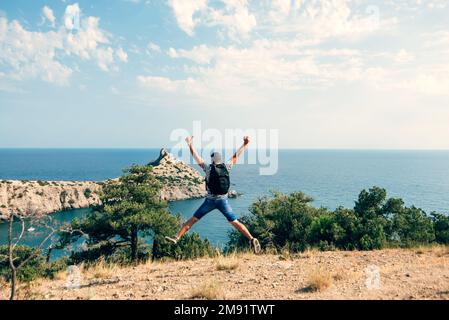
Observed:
{"x":254,"y":243}
{"x":173,"y":240}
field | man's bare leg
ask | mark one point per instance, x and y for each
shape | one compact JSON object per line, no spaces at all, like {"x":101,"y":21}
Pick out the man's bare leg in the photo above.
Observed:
{"x":242,"y":228}
{"x":185,"y":227}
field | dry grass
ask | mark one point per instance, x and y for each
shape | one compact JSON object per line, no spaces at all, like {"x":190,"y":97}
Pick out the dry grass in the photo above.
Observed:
{"x":60,"y":275}
{"x":319,"y":280}
{"x":285,"y":254}
{"x":4,"y":289}
{"x":27,"y":291}
{"x":341,"y":274}
{"x":101,"y":270}
{"x":227,"y":263}
{"x":322,"y":275}
{"x":309,"y":253}
{"x":439,"y":250}
{"x":208,"y":291}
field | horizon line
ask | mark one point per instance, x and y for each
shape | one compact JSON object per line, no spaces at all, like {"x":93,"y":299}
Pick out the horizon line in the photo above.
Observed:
{"x":286,"y":148}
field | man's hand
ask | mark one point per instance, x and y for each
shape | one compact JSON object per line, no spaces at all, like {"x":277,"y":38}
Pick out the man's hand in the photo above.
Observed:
{"x":189,"y":140}
{"x":240,"y":150}
{"x":245,"y":140}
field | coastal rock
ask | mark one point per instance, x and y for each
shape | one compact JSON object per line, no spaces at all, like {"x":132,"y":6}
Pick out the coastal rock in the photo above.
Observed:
{"x":180,"y":181}
{"x":233,"y":194}
{"x":37,"y":198}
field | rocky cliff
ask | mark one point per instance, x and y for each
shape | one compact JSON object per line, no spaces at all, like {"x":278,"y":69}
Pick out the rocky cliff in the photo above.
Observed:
{"x":180,"y":181}
{"x":36,"y":198}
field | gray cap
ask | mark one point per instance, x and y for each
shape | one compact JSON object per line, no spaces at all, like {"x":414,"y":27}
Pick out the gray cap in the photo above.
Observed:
{"x":216,"y":157}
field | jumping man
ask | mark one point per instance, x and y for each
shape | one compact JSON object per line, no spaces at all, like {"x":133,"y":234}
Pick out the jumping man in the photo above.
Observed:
{"x":217,"y":186}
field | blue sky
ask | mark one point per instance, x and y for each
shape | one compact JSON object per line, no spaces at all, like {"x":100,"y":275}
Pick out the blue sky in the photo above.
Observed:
{"x":326,"y":74}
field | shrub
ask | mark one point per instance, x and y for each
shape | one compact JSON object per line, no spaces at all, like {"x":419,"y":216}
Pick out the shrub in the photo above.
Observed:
{"x":227,"y":263}
{"x":282,"y":221}
{"x":290,"y":222}
{"x":191,"y":246}
{"x":209,"y":291}
{"x":319,"y":280}
{"x":42,"y":183}
{"x":441,"y":227}
{"x":33,"y":269}
{"x":106,"y":252}
{"x":87,"y":193}
{"x":413,"y":226}
{"x":325,"y":232}
{"x":52,"y":268}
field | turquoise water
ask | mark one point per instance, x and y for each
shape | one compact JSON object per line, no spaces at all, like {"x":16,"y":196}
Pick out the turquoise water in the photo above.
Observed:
{"x":332,"y":177}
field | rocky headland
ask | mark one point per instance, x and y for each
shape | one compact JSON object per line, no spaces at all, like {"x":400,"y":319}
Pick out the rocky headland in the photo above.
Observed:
{"x":36,"y":198}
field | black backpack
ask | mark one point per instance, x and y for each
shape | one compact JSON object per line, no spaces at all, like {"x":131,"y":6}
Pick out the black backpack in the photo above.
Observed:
{"x":219,"y":182}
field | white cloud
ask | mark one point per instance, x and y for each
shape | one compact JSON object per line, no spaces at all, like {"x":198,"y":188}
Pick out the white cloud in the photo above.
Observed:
{"x":282,"y":56}
{"x":185,"y":10}
{"x":308,"y":18}
{"x":43,"y":55}
{"x":122,"y":55}
{"x":105,"y":58}
{"x":319,"y":20}
{"x":31,"y":54}
{"x":164,"y":84}
{"x":72,"y":16}
{"x":85,"y":41}
{"x":153,"y":47}
{"x":49,"y":15}
{"x":233,"y":16}
{"x":430,"y":81}
{"x":280,"y":9}
{"x":244,"y":76}
{"x":200,"y":54}
{"x":404,"y":56}
{"x":270,"y":69}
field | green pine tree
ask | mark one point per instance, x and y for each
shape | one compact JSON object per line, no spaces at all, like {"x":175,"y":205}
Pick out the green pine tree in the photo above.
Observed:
{"x":130,"y":209}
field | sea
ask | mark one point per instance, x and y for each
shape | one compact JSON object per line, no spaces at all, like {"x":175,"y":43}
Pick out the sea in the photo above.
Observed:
{"x":332,"y":177}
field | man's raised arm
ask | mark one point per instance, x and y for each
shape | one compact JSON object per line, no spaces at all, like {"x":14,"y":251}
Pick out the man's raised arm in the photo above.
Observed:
{"x":240,"y":150}
{"x":192,"y":149}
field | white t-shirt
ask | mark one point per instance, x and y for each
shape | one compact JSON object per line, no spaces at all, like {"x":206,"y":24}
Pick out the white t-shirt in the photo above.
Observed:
{"x":206,"y":169}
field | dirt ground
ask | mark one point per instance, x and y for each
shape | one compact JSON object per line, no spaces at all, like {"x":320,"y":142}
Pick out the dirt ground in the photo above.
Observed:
{"x":387,"y":274}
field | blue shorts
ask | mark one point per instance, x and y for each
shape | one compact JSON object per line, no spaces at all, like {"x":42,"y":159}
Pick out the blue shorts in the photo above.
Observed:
{"x":211,"y":204}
